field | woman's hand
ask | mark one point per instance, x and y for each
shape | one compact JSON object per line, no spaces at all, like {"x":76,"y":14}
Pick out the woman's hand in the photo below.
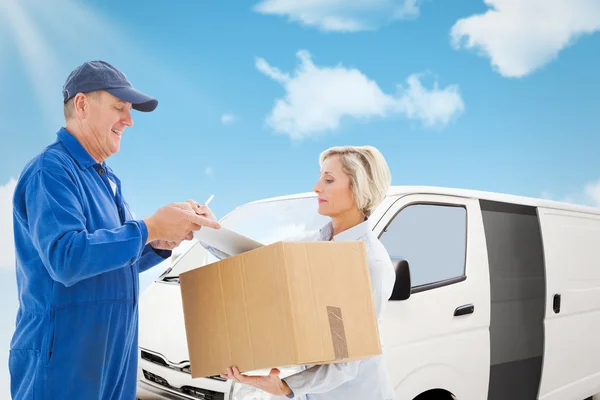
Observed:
{"x":202,"y":210}
{"x":271,"y":383}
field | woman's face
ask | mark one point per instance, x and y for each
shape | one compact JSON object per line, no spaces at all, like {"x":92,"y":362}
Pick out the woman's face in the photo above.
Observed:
{"x":333,"y":189}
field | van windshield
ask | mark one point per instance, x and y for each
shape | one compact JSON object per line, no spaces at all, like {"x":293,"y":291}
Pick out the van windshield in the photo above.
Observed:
{"x":269,"y":222}
{"x":276,"y":220}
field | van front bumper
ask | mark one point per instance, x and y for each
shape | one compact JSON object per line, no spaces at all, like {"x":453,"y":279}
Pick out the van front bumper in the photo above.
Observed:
{"x":159,"y":382}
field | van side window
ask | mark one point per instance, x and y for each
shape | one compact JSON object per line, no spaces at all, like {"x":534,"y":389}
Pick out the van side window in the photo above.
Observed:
{"x":432,"y":238}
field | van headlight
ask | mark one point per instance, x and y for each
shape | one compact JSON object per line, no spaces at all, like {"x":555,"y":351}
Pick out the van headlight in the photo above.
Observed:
{"x":247,"y":392}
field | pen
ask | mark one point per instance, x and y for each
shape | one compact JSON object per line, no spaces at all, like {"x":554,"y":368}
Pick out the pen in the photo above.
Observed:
{"x":209,"y":199}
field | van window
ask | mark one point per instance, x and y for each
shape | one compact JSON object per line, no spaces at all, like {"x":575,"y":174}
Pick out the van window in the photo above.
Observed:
{"x":432,"y":238}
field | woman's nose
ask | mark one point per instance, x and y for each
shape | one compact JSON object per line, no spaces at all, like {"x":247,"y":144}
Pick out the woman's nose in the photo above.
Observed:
{"x":317,"y":187}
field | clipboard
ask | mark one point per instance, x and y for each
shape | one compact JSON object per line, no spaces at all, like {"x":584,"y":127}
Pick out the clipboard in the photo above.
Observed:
{"x":226,"y":240}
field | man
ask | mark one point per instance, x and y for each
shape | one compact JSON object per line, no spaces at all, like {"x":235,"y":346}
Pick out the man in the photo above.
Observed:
{"x":79,"y":251}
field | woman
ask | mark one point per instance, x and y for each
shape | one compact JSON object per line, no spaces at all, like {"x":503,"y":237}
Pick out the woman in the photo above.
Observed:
{"x":353,"y":181}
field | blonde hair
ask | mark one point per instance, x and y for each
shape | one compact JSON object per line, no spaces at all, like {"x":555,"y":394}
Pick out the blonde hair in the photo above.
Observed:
{"x":369,"y":174}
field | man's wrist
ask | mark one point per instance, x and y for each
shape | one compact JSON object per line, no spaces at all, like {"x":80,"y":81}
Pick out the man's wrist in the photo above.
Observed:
{"x":150,"y":227}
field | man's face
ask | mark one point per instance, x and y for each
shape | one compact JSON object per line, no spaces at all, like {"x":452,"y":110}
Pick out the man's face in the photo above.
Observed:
{"x":106,"y":121}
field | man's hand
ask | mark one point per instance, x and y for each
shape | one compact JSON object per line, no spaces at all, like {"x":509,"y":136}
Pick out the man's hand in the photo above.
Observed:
{"x":271,"y":383}
{"x":202,"y":210}
{"x":174,"y":223}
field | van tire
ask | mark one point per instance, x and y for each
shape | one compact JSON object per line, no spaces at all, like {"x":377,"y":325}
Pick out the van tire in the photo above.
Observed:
{"x":436,"y":394}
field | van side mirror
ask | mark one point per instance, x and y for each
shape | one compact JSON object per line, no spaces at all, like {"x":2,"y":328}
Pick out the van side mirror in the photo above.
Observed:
{"x":402,"y":286}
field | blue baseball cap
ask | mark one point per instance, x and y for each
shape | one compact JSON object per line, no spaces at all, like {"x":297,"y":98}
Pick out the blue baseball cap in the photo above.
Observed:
{"x":100,"y":75}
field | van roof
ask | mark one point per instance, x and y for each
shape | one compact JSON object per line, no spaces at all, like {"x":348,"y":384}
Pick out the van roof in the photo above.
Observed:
{"x":473,"y":194}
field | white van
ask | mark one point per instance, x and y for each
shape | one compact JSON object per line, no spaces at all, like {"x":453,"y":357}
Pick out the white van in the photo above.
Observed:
{"x":497,"y":297}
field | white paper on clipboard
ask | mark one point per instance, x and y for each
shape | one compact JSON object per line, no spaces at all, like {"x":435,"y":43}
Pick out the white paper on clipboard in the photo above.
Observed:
{"x":226,"y":240}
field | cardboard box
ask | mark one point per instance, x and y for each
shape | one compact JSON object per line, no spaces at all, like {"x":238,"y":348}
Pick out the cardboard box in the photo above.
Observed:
{"x":284,"y":304}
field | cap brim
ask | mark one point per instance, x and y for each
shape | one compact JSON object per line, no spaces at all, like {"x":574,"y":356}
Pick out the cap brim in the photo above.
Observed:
{"x":140,"y":101}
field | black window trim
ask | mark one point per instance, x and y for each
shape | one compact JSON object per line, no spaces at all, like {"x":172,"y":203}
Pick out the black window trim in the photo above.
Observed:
{"x":446,"y":282}
{"x":438,"y":284}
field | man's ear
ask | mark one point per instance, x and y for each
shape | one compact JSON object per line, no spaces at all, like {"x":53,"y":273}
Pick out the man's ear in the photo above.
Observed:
{"x":81,"y":105}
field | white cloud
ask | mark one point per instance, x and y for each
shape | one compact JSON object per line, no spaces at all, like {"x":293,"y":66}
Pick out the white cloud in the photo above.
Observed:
{"x":589,"y":195}
{"x":341,"y":15}
{"x":228,"y":119}
{"x":317,"y":98}
{"x":209,"y":172}
{"x":434,"y":106}
{"x":520,"y":36}
{"x":592,"y":192}
{"x":7,"y":244}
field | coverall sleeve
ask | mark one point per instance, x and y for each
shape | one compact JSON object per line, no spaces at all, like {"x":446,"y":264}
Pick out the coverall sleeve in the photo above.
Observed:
{"x":152,"y":257}
{"x":57,"y":226}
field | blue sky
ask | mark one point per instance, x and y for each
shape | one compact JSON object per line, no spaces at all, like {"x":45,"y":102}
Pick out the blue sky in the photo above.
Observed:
{"x":498,"y":95}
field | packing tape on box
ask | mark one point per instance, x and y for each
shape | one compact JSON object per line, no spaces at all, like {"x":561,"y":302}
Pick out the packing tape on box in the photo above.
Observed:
{"x":338,"y":334}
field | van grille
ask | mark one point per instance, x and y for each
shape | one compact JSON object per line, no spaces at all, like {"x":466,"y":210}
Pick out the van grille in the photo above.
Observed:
{"x":191,"y":391}
{"x":183,"y":367}
{"x":154,"y":359}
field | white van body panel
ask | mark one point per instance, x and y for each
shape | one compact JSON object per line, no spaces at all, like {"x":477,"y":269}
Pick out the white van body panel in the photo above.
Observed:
{"x":572,"y":351}
{"x":427,"y":347}
{"x":163,"y":312}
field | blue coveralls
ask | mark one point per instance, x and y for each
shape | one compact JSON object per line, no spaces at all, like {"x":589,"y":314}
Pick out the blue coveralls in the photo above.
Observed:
{"x":78,"y":256}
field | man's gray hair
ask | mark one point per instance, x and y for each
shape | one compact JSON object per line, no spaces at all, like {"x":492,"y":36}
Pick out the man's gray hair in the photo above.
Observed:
{"x":69,"y":107}
{"x":369,"y":174}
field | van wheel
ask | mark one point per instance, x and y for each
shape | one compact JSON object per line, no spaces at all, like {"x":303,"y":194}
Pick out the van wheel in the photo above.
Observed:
{"x":436,"y":394}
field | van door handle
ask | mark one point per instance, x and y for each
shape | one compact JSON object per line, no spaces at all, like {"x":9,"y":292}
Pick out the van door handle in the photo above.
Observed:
{"x":556,"y":303}
{"x":464,"y":310}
